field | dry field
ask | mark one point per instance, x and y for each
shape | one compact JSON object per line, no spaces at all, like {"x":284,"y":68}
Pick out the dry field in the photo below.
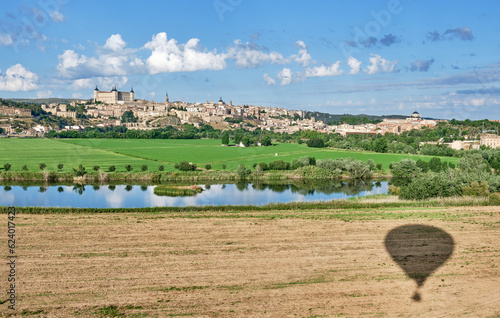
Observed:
{"x":249,"y":264}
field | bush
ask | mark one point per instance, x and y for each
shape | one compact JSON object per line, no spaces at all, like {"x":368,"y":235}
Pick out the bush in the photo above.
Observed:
{"x":316,"y":143}
{"x":379,"y":166}
{"x":128,"y":168}
{"x":208,"y":166}
{"x":25,"y":168}
{"x":431,"y":185}
{"x":79,"y":171}
{"x":476,"y":189}
{"x":185,"y":166}
{"x":243,"y":171}
{"x":7,"y":166}
{"x":60,"y":166}
{"x":223,"y":166}
{"x":161,"y":168}
{"x":266,"y":141}
{"x":263,"y":166}
{"x":405,"y":170}
{"x":144,"y":167}
{"x":112,"y":168}
{"x":42,"y":166}
{"x":371,"y":163}
{"x":96,"y":168}
{"x":495,"y":198}
{"x":393,"y":190}
{"x":279,"y":165}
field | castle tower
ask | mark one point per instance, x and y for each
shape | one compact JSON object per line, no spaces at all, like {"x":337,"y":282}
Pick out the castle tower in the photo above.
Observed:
{"x":132,"y":94}
{"x":115,"y":95}
{"x":96,"y":94}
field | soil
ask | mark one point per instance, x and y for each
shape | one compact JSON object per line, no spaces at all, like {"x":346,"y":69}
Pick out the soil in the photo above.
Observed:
{"x":248,"y":265}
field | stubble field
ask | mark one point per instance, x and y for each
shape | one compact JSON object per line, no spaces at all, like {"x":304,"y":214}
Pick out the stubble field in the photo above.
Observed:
{"x":330,"y":263}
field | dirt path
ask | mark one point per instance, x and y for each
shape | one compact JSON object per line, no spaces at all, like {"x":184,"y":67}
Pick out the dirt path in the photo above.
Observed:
{"x":155,"y":265}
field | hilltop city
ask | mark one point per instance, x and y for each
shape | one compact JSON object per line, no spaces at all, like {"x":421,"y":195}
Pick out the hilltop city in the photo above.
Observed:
{"x":121,"y":108}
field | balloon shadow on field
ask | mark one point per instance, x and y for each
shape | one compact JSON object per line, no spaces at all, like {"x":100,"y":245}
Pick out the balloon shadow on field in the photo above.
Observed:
{"x":419,"y":250}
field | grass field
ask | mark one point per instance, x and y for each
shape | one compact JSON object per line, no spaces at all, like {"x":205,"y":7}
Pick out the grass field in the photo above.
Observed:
{"x":119,"y":152}
{"x":300,"y":263}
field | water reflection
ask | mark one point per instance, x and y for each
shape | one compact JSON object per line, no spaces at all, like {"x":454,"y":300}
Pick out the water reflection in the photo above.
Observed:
{"x":130,"y":196}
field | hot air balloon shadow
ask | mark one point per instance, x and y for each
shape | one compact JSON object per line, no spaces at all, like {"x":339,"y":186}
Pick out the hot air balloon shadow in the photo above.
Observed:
{"x":419,"y":250}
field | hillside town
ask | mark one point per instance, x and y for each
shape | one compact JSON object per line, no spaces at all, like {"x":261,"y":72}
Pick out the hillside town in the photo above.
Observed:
{"x":120,"y":108}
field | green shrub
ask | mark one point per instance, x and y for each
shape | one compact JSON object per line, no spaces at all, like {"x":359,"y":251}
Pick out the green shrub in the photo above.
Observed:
{"x":42,"y":166}
{"x":7,"y":166}
{"x":112,"y":168}
{"x":243,"y":171}
{"x":316,"y":143}
{"x":495,"y":198}
{"x":208,"y":166}
{"x":128,"y":168}
{"x":60,"y":166}
{"x":279,"y":165}
{"x":476,"y":189}
{"x":79,"y":171}
{"x":144,"y":167}
{"x":223,"y":166}
{"x":96,"y":168}
{"x":25,"y":168}
{"x":185,"y":166}
{"x":161,"y":168}
{"x":379,"y":166}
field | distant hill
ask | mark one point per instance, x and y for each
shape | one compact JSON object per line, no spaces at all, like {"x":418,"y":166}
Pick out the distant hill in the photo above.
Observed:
{"x":45,"y":100}
{"x":349,"y":118}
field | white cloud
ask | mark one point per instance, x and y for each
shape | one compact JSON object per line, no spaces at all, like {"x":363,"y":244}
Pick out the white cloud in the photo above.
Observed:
{"x":323,"y":70}
{"x":269,"y":80}
{"x":251,"y":55}
{"x":354,"y":65}
{"x":168,"y":56}
{"x":285,"y":76}
{"x":5,"y":39}
{"x":57,"y":16}
{"x":304,"y":57}
{"x":113,"y":59}
{"x":115,"y":43}
{"x":18,"y":78}
{"x":380,"y":65}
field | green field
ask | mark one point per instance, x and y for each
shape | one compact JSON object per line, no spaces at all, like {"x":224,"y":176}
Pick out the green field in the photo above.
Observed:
{"x":136,"y":152}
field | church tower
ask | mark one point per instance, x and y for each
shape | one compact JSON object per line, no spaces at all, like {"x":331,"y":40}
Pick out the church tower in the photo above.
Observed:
{"x":166,"y":99}
{"x":132,"y":95}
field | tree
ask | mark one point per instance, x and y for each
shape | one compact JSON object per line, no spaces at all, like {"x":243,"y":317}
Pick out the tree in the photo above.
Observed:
{"x":96,"y":168}
{"x":237,"y":138}
{"x":435,"y":164}
{"x":243,"y":171}
{"x":128,"y":168}
{"x":379,"y":166}
{"x":144,"y":167}
{"x":112,"y":168}
{"x":208,"y":166}
{"x":42,"y":166}
{"x":225,"y":139}
{"x":316,"y":143}
{"x":7,"y":166}
{"x":185,"y":166}
{"x":266,"y":141}
{"x":246,"y":140}
{"x":60,"y":166}
{"x":25,"y":168}
{"x":223,"y":166}
{"x":380,"y":145}
{"x":405,"y":170}
{"x":79,"y":171}
{"x":128,"y":117}
{"x":161,"y":167}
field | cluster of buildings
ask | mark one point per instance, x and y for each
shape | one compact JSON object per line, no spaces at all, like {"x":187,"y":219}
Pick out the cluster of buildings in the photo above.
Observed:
{"x":107,"y":108}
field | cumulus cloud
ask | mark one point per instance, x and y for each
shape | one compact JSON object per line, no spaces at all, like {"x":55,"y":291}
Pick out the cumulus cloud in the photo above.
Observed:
{"x":380,"y":65}
{"x":44,"y":94}
{"x":303,"y":58}
{"x":113,"y":59}
{"x":169,"y":56}
{"x":323,"y":70}
{"x":421,"y":65}
{"x":18,"y":78}
{"x":268,"y":79}
{"x":251,"y":55}
{"x":5,"y":39}
{"x":115,"y":43}
{"x":285,"y":76}
{"x":354,"y":65}
{"x":464,"y":34}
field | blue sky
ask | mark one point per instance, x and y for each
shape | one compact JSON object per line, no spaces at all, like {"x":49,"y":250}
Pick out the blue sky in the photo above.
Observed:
{"x":374,"y":57}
